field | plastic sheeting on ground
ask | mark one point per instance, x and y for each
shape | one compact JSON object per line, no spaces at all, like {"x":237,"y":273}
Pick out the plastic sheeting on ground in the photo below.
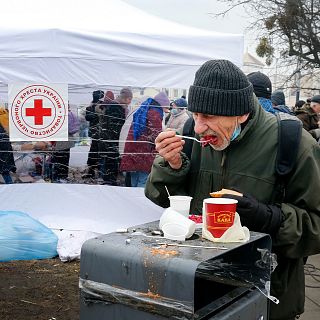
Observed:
{"x":24,"y":238}
{"x":78,"y":212}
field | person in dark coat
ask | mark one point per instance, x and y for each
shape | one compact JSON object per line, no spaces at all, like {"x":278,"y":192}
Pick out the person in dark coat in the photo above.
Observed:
{"x":298,"y":105}
{"x":279,"y":102}
{"x":61,"y":150}
{"x":111,"y":121}
{"x":93,"y":118}
{"x":7,"y":164}
{"x":262,"y":88}
{"x":309,"y":115}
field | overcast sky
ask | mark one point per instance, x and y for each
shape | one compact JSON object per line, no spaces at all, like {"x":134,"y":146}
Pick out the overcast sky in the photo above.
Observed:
{"x":199,"y":13}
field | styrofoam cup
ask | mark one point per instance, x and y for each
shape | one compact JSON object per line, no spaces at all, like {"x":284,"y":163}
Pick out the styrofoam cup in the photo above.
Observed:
{"x":171,"y":216}
{"x":175,"y":231}
{"x":181,"y":204}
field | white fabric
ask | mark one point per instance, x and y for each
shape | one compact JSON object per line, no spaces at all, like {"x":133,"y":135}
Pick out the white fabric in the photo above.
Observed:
{"x":124,"y":132}
{"x":70,"y":243}
{"x":79,"y":157}
{"x":81,"y":211}
{"x":236,"y":233}
{"x":102,"y":43}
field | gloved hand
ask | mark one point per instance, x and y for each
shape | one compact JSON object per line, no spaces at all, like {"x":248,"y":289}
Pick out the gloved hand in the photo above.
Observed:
{"x":256,"y":215}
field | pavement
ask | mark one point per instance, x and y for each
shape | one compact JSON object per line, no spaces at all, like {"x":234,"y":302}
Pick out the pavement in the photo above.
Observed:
{"x":312,"y":304}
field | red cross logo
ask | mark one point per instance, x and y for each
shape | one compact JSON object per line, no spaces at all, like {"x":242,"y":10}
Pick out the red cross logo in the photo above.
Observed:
{"x":38,"y":112}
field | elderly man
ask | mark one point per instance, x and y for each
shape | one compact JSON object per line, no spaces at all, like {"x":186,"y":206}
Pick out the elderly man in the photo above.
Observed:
{"x":242,"y":155}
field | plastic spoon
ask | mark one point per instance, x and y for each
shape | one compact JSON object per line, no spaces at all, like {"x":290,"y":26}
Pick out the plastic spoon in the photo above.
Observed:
{"x":191,"y":138}
{"x":167,"y":191}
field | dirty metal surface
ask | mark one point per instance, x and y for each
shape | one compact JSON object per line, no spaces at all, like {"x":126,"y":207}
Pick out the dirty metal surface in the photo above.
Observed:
{"x":165,"y":277}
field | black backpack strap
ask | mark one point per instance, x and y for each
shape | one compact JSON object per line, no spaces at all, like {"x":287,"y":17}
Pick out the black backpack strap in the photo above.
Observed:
{"x":289,"y":136}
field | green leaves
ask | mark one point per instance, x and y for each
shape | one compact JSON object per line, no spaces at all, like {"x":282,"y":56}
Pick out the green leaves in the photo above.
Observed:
{"x":265,"y":49}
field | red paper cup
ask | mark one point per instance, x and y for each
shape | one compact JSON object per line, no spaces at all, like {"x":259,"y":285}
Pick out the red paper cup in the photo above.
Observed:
{"x":219,"y":214}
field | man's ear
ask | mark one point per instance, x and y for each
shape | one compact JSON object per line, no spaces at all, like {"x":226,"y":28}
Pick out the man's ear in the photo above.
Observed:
{"x":243,"y":118}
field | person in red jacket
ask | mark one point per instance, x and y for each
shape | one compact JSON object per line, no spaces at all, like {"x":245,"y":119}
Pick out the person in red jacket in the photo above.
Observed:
{"x":139,"y":149}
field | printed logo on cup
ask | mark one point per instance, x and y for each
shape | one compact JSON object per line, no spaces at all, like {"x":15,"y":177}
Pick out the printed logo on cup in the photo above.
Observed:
{"x":38,"y":112}
{"x":222,"y":217}
{"x":219,"y":215}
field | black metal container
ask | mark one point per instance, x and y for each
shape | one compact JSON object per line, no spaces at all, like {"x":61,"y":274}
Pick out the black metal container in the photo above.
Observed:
{"x":136,"y":275}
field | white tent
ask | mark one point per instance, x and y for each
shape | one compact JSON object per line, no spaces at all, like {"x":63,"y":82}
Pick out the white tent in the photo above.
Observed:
{"x":97,"y":43}
{"x":91,"y":45}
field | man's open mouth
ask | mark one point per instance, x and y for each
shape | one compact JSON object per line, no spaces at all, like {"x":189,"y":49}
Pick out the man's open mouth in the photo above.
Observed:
{"x":208,"y":139}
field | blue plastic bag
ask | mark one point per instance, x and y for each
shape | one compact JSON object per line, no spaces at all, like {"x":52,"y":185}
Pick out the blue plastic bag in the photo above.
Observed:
{"x":24,"y":238}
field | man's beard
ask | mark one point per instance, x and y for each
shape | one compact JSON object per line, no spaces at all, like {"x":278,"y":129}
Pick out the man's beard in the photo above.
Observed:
{"x":224,"y":145}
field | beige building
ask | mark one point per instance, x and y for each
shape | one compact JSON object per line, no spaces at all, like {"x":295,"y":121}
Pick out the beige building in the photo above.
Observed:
{"x":251,"y":64}
{"x":310,"y":85}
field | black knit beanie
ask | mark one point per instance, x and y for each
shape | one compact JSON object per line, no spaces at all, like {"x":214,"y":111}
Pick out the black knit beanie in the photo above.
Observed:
{"x":278,"y":98}
{"x":96,"y":95}
{"x":316,"y":98}
{"x":220,"y":88}
{"x":262,"y":86}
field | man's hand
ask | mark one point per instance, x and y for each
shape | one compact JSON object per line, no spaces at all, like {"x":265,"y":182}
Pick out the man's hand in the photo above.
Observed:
{"x":256,"y":215}
{"x":169,"y":147}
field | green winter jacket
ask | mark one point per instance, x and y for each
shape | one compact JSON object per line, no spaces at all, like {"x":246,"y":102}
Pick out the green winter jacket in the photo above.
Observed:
{"x":248,"y":164}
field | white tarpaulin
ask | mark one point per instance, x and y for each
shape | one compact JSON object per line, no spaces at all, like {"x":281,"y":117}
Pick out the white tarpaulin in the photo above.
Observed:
{"x":99,"y":42}
{"x":79,"y":212}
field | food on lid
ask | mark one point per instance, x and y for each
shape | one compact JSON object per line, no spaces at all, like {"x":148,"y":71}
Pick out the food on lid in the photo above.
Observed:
{"x":222,"y":192}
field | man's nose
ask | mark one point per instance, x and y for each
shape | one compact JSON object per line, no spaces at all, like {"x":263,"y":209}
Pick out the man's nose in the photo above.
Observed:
{"x":200,"y":126}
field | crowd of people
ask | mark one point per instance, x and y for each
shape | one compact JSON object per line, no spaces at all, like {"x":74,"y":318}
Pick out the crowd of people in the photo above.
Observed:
{"x":121,"y":136}
{"x":104,"y":120}
{"x":112,"y":124}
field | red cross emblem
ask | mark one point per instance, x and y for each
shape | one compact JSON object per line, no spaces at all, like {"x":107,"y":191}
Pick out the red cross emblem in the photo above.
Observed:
{"x":38,"y":112}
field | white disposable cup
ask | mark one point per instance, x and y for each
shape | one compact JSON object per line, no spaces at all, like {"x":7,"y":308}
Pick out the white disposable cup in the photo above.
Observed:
{"x":175,"y":231}
{"x":171,"y":216}
{"x":181,"y":204}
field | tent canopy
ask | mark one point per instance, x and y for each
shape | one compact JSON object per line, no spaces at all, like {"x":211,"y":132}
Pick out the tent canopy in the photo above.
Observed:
{"x":103,"y":43}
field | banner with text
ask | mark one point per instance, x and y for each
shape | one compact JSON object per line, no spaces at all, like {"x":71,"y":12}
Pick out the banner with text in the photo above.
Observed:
{"x":38,"y":112}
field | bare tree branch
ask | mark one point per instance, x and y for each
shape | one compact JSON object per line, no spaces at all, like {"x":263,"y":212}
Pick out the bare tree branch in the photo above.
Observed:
{"x":291,"y":27}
